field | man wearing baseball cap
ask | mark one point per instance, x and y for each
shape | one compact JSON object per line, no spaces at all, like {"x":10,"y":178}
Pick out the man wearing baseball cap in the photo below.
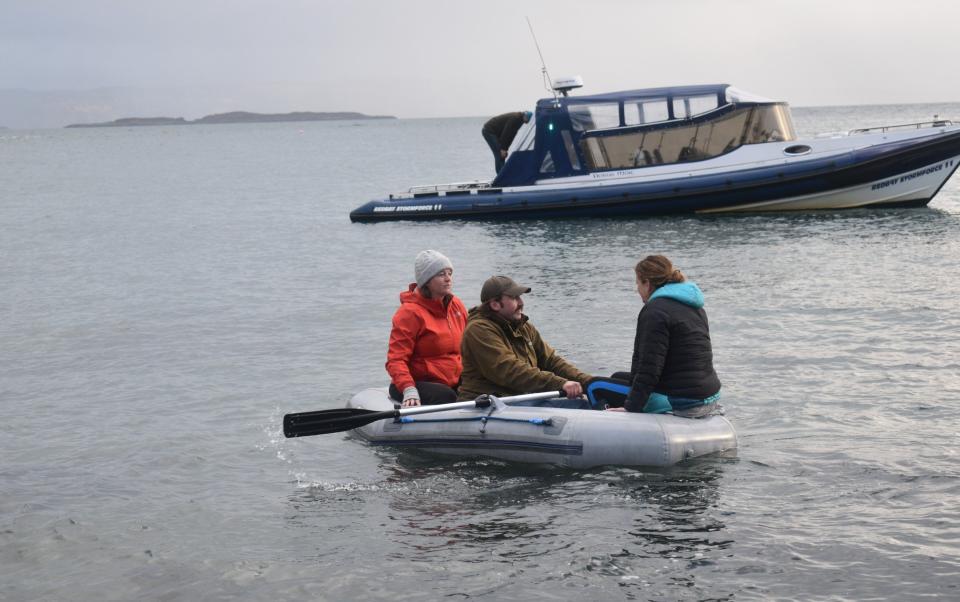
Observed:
{"x":503,"y":354}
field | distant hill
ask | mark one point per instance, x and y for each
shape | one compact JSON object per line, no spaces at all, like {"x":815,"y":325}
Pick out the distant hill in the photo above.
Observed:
{"x":233,"y":117}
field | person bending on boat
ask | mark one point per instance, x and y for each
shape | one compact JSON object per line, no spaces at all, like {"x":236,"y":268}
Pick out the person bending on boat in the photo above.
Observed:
{"x":503,"y":354}
{"x":500,"y":131}
{"x":423,"y":358}
{"x":672,"y":368}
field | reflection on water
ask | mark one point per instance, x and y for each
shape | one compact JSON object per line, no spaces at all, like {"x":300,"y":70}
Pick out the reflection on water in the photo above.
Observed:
{"x":676,"y":530}
{"x":678,"y":505}
{"x":718,"y":231}
{"x":444,"y":509}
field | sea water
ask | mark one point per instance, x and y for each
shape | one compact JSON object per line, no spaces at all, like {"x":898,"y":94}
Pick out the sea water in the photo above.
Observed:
{"x":168,"y":293}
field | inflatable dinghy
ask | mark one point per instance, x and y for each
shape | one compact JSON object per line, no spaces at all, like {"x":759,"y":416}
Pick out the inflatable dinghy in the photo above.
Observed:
{"x":574,"y":438}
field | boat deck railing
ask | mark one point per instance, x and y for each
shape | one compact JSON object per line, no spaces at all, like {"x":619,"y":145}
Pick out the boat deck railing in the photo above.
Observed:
{"x":936,"y":123}
{"x":472,"y":185}
{"x":455,"y":188}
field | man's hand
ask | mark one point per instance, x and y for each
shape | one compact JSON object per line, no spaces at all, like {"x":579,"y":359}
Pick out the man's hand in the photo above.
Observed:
{"x":410,"y":402}
{"x":573,"y":389}
{"x":503,"y":154}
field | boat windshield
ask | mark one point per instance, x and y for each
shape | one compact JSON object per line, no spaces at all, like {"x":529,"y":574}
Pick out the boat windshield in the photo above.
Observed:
{"x":693,"y":140}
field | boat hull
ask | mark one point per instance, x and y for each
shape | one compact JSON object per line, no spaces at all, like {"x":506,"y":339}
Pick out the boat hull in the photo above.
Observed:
{"x":899,"y":173}
{"x":545,"y":435}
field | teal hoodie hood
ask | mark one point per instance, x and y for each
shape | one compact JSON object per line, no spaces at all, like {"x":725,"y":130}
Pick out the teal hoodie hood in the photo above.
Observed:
{"x":686,"y":292}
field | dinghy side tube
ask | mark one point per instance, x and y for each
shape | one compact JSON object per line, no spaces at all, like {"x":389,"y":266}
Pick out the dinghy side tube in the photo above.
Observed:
{"x":545,"y":435}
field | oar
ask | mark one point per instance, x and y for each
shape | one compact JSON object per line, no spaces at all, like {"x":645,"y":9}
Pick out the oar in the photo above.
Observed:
{"x":322,"y":422}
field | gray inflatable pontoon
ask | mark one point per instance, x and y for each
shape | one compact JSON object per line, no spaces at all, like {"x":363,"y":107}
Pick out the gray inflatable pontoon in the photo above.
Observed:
{"x":549,"y":435}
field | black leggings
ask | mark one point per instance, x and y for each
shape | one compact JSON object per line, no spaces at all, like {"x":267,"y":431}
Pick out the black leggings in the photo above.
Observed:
{"x":430,"y":393}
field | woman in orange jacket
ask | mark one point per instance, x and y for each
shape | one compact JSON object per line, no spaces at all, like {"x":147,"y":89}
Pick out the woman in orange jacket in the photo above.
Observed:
{"x":423,"y":358}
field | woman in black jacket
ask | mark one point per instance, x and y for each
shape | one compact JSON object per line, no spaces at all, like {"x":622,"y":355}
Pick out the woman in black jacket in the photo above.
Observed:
{"x":672,"y":368}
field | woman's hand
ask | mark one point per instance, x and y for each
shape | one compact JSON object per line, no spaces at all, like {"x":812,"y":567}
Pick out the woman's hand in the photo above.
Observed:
{"x":410,"y":402}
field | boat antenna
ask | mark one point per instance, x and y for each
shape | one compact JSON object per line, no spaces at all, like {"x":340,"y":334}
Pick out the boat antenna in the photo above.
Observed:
{"x":543,"y":66}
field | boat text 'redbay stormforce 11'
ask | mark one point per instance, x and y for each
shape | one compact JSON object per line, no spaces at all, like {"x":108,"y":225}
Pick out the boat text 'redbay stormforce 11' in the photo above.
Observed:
{"x":691,"y":149}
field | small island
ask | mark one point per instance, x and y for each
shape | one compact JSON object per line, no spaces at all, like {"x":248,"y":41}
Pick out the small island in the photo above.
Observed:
{"x":233,"y":117}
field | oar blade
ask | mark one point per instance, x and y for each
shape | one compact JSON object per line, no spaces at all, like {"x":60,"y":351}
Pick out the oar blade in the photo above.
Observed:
{"x":323,"y":422}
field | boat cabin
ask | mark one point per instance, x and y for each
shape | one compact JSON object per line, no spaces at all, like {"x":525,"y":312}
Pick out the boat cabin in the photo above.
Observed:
{"x":578,"y":135}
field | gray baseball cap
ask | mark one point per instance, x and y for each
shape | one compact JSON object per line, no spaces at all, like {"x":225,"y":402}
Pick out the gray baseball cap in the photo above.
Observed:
{"x":496,"y":286}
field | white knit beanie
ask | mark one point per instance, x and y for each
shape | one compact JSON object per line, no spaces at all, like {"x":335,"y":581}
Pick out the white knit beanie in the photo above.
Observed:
{"x":428,"y":264}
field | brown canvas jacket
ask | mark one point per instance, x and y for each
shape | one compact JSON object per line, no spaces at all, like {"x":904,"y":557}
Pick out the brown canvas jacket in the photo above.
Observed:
{"x":502,"y":358}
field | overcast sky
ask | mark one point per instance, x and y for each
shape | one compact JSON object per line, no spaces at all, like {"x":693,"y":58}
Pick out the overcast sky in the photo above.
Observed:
{"x":444,"y":58}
